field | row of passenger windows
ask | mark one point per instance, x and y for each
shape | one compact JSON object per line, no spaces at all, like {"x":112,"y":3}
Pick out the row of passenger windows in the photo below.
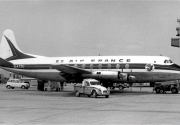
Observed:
{"x":100,"y":66}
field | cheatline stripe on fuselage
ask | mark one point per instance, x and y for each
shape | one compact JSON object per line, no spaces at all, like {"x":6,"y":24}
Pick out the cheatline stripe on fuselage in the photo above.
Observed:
{"x":104,"y":66}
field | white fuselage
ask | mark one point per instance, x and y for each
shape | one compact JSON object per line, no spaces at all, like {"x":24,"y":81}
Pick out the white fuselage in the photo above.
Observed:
{"x":144,"y":68}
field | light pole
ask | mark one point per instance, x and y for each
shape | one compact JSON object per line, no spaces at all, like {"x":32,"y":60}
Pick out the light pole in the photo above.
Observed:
{"x":175,"y":42}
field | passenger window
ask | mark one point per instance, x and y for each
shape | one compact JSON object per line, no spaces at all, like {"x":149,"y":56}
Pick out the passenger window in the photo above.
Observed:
{"x":109,"y":66}
{"x":83,"y":66}
{"x":91,"y":66}
{"x":100,"y":66}
{"x":57,"y":61}
{"x":117,"y":66}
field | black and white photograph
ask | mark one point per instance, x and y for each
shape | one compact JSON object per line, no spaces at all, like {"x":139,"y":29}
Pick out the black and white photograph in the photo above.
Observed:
{"x":90,"y":62}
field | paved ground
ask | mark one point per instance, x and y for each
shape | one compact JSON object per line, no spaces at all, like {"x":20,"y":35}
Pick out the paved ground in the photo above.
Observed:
{"x":24,"y":107}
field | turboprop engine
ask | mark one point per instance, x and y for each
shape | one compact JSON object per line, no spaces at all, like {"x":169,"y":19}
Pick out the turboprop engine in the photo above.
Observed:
{"x":109,"y":75}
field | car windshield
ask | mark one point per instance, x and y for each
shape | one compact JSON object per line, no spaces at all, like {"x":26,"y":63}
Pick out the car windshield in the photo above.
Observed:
{"x":95,"y":83}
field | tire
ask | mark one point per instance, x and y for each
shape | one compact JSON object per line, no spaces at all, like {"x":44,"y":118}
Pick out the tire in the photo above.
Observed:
{"x":89,"y":95}
{"x":12,"y":87}
{"x":77,"y":94}
{"x":45,"y":89}
{"x":161,"y":91}
{"x":8,"y":87}
{"x":23,"y":87}
{"x":121,"y":88}
{"x":94,"y":94}
{"x":157,"y":90}
{"x":107,"y":96}
{"x":174,"y":90}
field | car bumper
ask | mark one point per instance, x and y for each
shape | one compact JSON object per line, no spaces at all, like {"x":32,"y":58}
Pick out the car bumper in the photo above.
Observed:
{"x":103,"y":93}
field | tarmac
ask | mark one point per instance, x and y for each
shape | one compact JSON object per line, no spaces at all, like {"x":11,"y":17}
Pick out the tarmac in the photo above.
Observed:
{"x":130,"y":106}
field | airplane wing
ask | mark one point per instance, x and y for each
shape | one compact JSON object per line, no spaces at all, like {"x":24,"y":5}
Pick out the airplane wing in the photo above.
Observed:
{"x":69,"y":69}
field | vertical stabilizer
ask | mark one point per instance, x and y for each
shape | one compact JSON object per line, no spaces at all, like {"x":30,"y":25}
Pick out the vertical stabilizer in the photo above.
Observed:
{"x":9,"y":49}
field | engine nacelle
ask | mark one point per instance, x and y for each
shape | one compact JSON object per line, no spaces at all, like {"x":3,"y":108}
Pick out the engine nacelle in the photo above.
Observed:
{"x":109,"y":75}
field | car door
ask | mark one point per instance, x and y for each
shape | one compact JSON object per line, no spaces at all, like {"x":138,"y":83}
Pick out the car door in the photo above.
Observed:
{"x":87,"y":89}
{"x":13,"y":84}
{"x":18,"y":83}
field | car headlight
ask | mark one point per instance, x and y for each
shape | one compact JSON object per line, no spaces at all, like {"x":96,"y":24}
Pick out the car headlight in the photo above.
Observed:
{"x":99,"y":90}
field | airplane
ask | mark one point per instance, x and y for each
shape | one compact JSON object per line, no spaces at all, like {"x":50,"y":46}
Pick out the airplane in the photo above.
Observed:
{"x":106,"y":69}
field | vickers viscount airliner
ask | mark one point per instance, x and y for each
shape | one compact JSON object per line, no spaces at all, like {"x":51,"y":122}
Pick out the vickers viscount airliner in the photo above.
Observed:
{"x":107,"y":69}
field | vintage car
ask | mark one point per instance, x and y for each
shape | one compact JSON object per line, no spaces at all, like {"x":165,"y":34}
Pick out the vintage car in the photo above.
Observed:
{"x":91,"y":87}
{"x":17,"y":83}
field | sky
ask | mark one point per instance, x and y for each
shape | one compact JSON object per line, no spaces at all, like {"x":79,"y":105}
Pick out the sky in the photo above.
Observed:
{"x":92,"y":28}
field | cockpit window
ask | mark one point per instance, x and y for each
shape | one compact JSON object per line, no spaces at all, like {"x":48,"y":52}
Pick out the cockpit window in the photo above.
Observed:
{"x":170,"y":61}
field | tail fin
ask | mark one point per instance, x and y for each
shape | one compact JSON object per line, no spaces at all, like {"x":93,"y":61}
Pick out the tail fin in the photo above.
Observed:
{"x":9,"y":49}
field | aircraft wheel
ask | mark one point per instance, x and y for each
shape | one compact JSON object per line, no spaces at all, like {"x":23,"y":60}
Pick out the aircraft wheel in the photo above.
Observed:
{"x":113,"y":87}
{"x":107,"y":96}
{"x":121,"y":88}
{"x":94,"y":94}
{"x":157,"y":90}
{"x":174,"y":90}
{"x":161,"y":91}
{"x":77,"y":94}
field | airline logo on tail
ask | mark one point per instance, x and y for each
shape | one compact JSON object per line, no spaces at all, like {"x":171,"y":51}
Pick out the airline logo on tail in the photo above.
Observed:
{"x":16,"y":54}
{"x":9,"y":49}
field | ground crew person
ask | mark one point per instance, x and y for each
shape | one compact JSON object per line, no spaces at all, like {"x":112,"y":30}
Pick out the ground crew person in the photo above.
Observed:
{"x":62,"y":85}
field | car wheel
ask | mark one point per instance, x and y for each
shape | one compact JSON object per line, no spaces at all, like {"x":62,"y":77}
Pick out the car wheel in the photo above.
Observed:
{"x":23,"y":87}
{"x":94,"y":94}
{"x":174,"y":90}
{"x":77,"y":94}
{"x":12,"y":87}
{"x":89,"y":95}
{"x":107,"y":96}
{"x":45,"y":89}
{"x":157,"y":90}
{"x":8,"y":87}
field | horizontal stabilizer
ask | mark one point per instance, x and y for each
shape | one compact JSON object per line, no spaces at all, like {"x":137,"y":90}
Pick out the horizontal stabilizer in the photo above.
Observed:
{"x":69,"y":69}
{"x":5,"y":63}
